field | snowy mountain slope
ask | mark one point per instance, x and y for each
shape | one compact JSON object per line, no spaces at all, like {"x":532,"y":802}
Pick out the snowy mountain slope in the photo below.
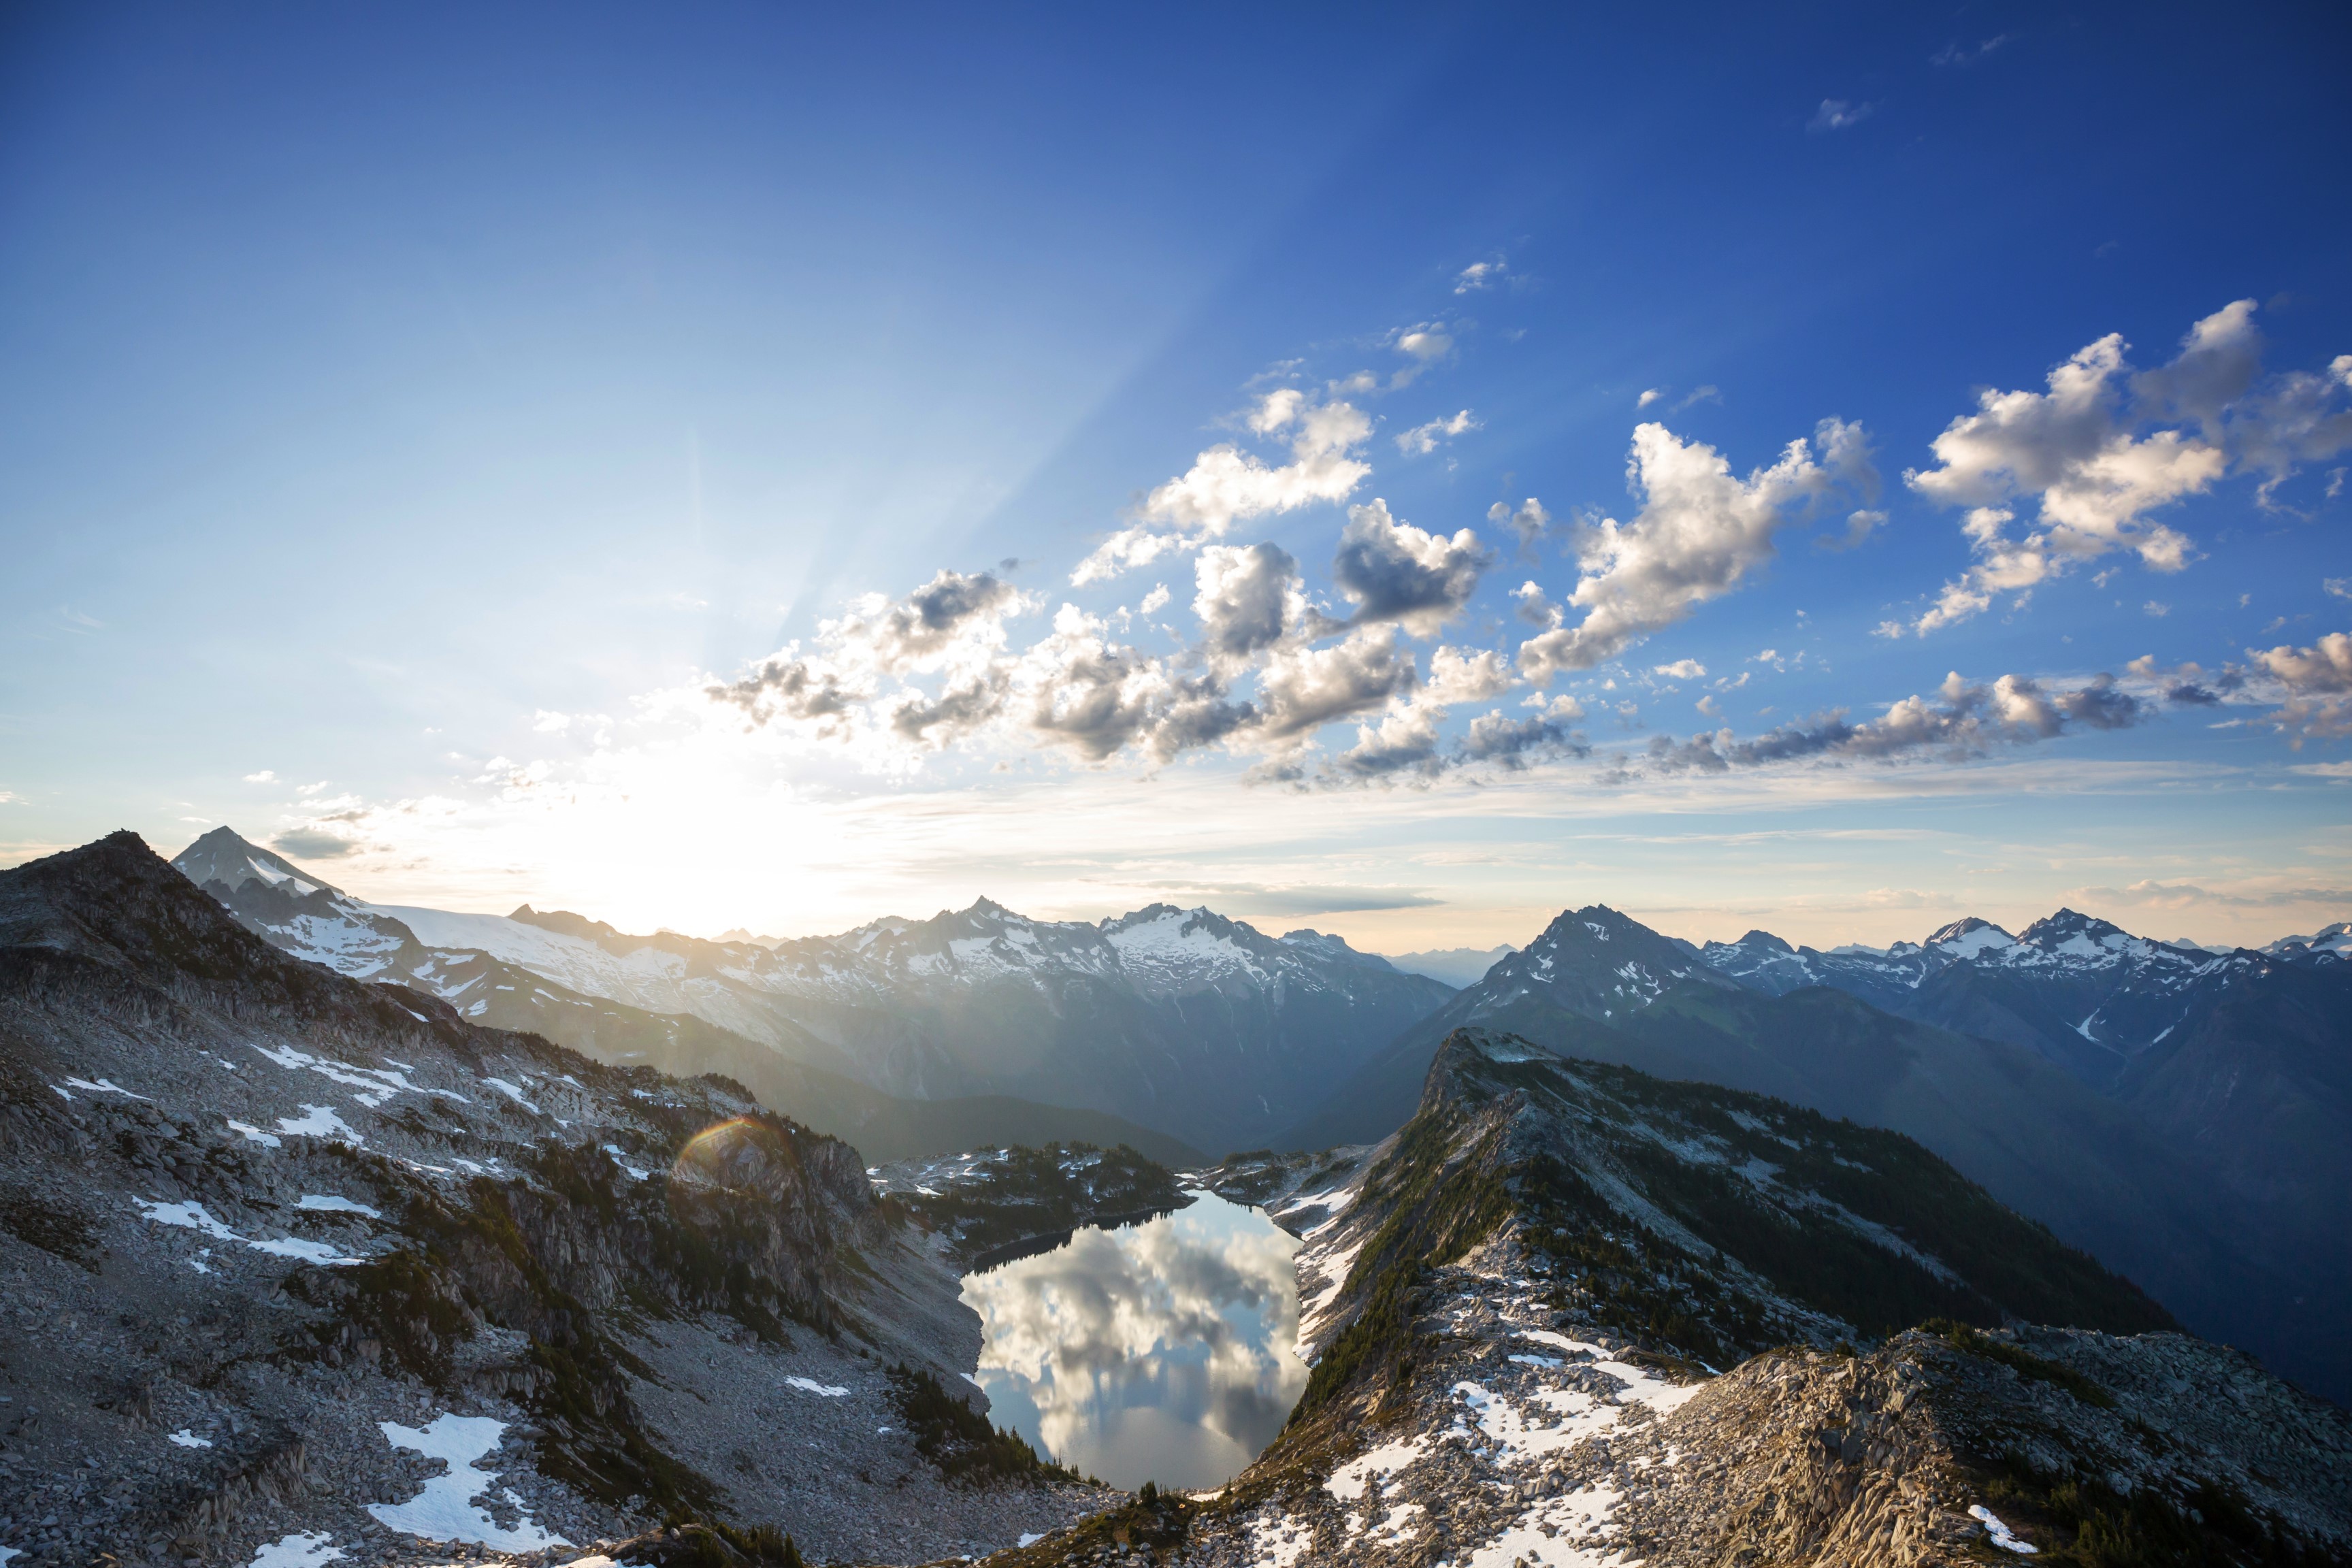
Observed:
{"x":1181,"y":1020}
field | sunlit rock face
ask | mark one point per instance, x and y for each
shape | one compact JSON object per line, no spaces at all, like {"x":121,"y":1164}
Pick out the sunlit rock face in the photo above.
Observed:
{"x":1162,"y":1352}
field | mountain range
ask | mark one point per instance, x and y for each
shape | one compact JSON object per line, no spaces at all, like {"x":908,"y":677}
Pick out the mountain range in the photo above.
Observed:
{"x":2212,"y":1166}
{"x":1198,"y":1028}
{"x":2179,"y":1112}
{"x":306,"y":1268}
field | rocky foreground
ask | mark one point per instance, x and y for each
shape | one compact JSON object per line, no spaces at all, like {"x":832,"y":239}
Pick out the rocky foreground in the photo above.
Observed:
{"x":301,"y":1269}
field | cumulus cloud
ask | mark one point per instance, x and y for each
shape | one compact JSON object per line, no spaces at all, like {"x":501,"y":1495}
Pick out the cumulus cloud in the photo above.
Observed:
{"x":2317,"y":684}
{"x":1681,"y":669}
{"x":1303,"y":688}
{"x":953,"y":627}
{"x":1423,"y":439}
{"x":1700,"y":532}
{"x":265,"y":776}
{"x":1648,"y":397}
{"x":1250,"y":598}
{"x":1517,"y":744}
{"x":1963,"y":720}
{"x":1226,"y":485}
{"x":1395,"y":571}
{"x":2104,"y":447}
{"x":1529,"y":520}
{"x":2191,"y":684}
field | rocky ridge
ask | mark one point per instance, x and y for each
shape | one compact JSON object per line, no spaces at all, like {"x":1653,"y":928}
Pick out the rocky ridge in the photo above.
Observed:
{"x":1507,"y":1372}
{"x":294,"y":1258}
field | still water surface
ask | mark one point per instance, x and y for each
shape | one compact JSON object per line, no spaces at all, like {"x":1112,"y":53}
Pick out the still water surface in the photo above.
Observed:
{"x":1159,"y":1352}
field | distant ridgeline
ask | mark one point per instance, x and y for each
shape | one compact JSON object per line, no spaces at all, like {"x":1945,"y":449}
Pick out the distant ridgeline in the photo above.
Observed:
{"x":2181,"y":1114}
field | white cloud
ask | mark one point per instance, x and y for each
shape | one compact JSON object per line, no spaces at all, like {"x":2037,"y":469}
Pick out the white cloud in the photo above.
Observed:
{"x":1859,"y":526}
{"x":1306,"y":687}
{"x":1477,"y":276}
{"x":265,"y":776}
{"x":1528,"y":520}
{"x":2153,"y":607}
{"x":1700,"y":532}
{"x":2317,"y":681}
{"x":1250,"y":599}
{"x":952,"y":627}
{"x":1395,"y":571}
{"x":2104,"y":447}
{"x":1456,"y":676}
{"x":1423,"y":439}
{"x":548,"y":723}
{"x":1681,"y":669}
{"x":1650,"y":397}
{"x":1964,"y":719}
{"x":1839,"y":115}
{"x":1226,"y":485}
{"x":1155,"y":601}
{"x":1427,"y":342}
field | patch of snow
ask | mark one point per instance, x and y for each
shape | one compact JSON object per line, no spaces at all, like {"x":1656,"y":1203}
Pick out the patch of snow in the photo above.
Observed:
{"x":1350,"y":1481}
{"x":445,"y":1510}
{"x":1569,"y":1532}
{"x":613,"y":1150}
{"x":187,"y":1217}
{"x":810,"y":1385}
{"x":513,"y":1093}
{"x":106,"y":1086}
{"x":304,"y":1251}
{"x":320,"y":1123}
{"x":186,"y":1438}
{"x":1029,"y":1538}
{"x":2003,"y":1536}
{"x":1279,"y":1543}
{"x":328,"y":1202}
{"x":1978,"y":942}
{"x":297,"y":1552}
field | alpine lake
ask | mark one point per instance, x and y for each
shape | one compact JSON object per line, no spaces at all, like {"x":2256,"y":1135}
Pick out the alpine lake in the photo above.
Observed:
{"x":1157,"y":1351}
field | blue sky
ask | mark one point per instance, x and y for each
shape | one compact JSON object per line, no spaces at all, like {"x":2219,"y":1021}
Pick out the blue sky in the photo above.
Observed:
{"x":412,"y":416}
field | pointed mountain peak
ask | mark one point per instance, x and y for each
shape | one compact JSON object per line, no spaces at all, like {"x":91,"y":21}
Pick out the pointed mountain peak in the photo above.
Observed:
{"x":1765,"y":941}
{"x":225,"y":856}
{"x":1970,"y":937}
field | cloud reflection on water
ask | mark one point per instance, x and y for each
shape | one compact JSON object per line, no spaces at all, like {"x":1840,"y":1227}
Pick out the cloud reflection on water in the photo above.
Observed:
{"x":1161,"y":1352}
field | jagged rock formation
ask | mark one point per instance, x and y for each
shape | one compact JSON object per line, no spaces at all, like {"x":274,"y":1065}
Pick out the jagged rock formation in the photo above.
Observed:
{"x":1151,"y":1017}
{"x":287,"y":1254}
{"x":1520,"y":1287}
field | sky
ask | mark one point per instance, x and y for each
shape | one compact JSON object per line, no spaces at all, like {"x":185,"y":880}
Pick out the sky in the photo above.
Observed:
{"x":1398,"y":471}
